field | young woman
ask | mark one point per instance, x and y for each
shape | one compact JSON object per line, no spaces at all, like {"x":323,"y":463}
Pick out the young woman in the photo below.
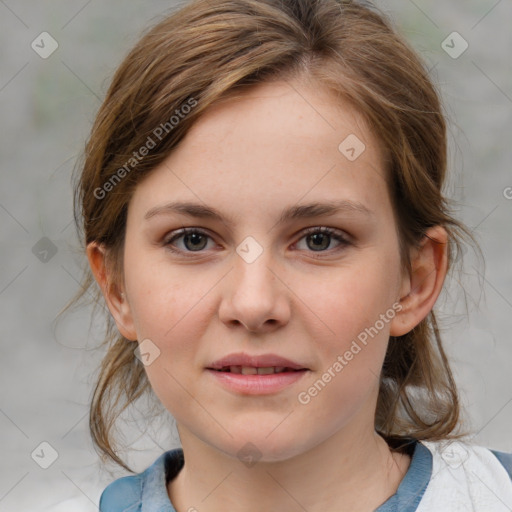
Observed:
{"x":262,"y":207}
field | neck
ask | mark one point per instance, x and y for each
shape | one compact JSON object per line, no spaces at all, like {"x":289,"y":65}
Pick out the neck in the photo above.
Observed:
{"x":345,"y":473}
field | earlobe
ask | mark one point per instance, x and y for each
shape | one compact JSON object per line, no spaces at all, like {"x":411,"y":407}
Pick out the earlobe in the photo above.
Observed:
{"x":420,"y":289}
{"x":114,"y":297}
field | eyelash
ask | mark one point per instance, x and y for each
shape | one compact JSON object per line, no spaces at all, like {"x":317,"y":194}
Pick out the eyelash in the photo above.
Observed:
{"x":333,"y":233}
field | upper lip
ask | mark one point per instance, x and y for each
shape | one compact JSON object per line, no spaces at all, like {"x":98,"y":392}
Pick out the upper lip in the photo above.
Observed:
{"x":261,"y":361}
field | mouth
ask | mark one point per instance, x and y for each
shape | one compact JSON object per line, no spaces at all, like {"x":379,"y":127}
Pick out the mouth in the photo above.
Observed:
{"x":249,"y":374}
{"x":251,"y":364}
{"x":254,"y":370}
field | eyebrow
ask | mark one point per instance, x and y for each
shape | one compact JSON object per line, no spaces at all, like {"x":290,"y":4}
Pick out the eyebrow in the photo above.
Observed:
{"x":303,"y":211}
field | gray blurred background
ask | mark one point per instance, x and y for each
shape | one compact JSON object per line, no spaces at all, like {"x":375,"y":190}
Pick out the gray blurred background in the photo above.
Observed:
{"x":47,"y":106}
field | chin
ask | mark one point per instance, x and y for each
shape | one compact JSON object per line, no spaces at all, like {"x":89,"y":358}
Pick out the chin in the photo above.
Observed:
{"x":259,"y":446}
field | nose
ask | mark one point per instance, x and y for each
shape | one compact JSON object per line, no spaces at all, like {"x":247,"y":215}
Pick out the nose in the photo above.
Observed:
{"x":255,"y":296}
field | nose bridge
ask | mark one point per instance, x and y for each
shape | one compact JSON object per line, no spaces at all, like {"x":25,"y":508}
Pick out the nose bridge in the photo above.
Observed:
{"x":253,"y":264}
{"x":254,"y":296}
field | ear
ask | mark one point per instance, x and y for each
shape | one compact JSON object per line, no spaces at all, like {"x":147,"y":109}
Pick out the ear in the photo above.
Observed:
{"x":114,"y":295}
{"x":420,"y":290}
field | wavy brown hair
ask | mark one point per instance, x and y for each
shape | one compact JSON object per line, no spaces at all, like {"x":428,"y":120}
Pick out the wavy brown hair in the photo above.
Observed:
{"x":208,"y":51}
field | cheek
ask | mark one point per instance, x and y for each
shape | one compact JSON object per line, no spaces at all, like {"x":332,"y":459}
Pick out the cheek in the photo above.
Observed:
{"x":165,"y":301}
{"x":353,"y":347}
{"x":172,"y":306}
{"x":168,"y":307}
{"x":350,"y":298}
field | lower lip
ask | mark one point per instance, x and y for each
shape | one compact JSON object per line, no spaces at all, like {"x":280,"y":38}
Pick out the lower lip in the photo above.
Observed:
{"x":257,"y":384}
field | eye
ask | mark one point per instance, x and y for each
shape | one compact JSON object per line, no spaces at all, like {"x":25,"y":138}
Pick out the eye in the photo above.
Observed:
{"x":193,"y":239}
{"x":321,"y":238}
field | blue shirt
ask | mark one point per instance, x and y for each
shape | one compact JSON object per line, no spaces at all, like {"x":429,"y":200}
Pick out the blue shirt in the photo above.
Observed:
{"x":147,"y":491}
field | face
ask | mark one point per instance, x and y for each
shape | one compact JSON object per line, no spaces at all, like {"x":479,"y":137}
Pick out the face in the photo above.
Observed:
{"x":306,"y":287}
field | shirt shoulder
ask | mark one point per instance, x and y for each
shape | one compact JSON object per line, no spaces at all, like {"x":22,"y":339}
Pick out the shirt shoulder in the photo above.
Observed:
{"x":505,"y":459}
{"x":466,"y":476}
{"x":146,"y":490}
{"x":122,"y":495}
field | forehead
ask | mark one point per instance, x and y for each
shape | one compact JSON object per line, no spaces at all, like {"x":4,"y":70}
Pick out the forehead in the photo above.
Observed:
{"x":293,"y":112}
{"x":274,"y":144}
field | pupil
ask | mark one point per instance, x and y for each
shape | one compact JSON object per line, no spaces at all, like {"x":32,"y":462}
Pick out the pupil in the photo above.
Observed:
{"x":194,"y":237}
{"x":325,"y":237}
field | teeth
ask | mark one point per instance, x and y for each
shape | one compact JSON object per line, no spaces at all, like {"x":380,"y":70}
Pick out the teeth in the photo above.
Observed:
{"x":248,"y":370}
{"x":266,"y":371}
{"x":251,"y":370}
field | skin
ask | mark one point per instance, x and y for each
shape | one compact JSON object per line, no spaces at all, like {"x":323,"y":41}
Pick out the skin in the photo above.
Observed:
{"x":251,"y":157}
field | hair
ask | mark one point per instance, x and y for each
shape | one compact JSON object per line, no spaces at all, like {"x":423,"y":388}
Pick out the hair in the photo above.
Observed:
{"x":206,"y":52}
